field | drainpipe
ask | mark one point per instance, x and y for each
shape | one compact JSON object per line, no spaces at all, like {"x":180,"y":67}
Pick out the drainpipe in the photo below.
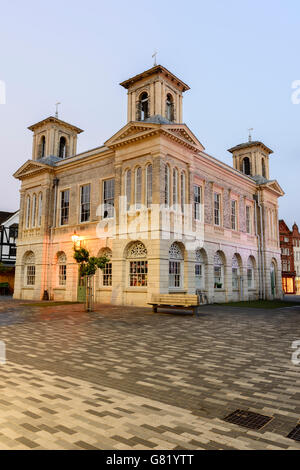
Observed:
{"x":55,"y":185}
{"x":260,"y":238}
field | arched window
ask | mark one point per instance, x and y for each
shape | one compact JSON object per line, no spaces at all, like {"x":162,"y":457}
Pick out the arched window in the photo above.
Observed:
{"x":138,"y":188}
{"x":149,"y":185}
{"x":42,"y":147}
{"x":27,"y":219}
{"x":199,"y":270}
{"x":106,"y":273}
{"x":170,"y":108}
{"x":218,"y":271}
{"x":235,"y":272}
{"x":182,"y":190}
{"x":143,"y":107}
{"x":29,"y":265}
{"x":250,"y":272}
{"x":138,"y":265}
{"x":246,"y":166}
{"x":263,"y":167}
{"x":167,"y":185}
{"x":175,"y":186}
{"x":40,"y":208}
{"x":175,"y":266}
{"x":33,"y":211}
{"x":62,"y":148}
{"x":127,"y":182}
{"x":62,"y":268}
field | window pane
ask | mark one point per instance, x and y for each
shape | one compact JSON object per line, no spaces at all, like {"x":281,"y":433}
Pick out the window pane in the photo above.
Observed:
{"x":138,"y":188}
{"x":64,"y":207}
{"x":85,"y":203}
{"x":149,"y":185}
{"x":217,"y":209}
{"x":108,"y":198}
{"x":138,"y":273}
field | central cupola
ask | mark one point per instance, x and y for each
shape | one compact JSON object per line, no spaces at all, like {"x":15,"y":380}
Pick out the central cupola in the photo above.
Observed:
{"x":155,"y":95}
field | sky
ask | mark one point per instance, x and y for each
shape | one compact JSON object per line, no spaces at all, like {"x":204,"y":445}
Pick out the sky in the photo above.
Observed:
{"x":240,"y":59}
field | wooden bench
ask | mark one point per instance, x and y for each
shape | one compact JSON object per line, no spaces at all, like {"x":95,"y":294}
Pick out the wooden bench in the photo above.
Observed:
{"x":187,"y":301}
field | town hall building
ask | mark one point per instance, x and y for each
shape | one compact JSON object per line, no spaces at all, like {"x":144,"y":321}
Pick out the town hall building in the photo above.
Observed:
{"x":170,"y":217}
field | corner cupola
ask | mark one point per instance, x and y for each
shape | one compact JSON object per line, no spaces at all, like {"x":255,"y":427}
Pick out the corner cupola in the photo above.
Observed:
{"x":155,"y":95}
{"x":54,"y":138}
{"x":252,"y":158}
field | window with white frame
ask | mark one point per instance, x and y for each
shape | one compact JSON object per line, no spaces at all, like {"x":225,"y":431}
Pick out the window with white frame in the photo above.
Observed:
{"x":27,"y":220}
{"x":233,"y":214}
{"x":62,"y":269}
{"x":175,"y":187}
{"x":85,"y":203}
{"x":64,"y":207}
{"x":128,"y":188}
{"x":40,"y":209}
{"x":33,"y":211}
{"x":106,"y":273}
{"x":138,"y":187}
{"x":197,"y":202}
{"x":138,"y":265}
{"x":182,"y":189}
{"x":248,"y":220}
{"x":149,"y":185}
{"x":235,"y":272}
{"x":167,"y":185}
{"x":108,"y":198}
{"x":199,"y":270}
{"x":218,"y":271}
{"x":175,"y":266}
{"x":250,"y":273}
{"x":217,"y":209}
{"x":29,"y":264}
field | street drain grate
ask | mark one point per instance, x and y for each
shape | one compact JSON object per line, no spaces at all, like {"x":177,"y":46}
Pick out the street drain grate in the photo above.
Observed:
{"x":295,"y":433}
{"x":248,"y":419}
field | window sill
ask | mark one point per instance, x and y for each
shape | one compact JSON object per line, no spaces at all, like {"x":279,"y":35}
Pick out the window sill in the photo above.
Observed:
{"x":59,"y":288}
{"x":177,"y":290}
{"x":136,"y":289}
{"x":28,"y":288}
{"x":104,"y":289}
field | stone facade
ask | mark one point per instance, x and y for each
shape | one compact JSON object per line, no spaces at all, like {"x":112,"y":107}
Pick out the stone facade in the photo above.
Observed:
{"x":151,"y":185}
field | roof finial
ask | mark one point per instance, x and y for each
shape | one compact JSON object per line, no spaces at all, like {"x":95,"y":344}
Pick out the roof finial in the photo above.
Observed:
{"x":56,"y":112}
{"x":154,"y":57}
{"x":250,"y":136}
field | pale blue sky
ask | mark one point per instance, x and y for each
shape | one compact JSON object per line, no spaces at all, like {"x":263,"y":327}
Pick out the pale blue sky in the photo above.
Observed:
{"x":239,"y":58}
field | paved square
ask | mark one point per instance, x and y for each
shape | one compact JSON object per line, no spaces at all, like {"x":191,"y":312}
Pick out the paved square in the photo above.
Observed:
{"x":125,"y":378}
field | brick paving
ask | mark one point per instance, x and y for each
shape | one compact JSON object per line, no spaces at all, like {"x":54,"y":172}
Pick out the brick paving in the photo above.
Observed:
{"x":125,"y":378}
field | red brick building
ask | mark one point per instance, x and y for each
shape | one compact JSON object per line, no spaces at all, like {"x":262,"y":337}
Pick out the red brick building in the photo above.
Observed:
{"x":287,"y":258}
{"x":296,"y":243}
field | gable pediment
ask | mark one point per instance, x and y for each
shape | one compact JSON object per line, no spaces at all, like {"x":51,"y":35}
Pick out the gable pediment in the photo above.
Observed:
{"x":274,"y":186}
{"x":134,"y":131}
{"x":31,"y":168}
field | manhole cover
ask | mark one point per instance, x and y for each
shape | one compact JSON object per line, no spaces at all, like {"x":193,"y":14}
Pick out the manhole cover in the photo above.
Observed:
{"x":248,"y":419}
{"x":295,"y":433}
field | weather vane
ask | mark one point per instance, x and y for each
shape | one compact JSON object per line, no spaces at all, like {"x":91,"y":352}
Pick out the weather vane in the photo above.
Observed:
{"x":154,"y":57}
{"x":56,"y":112}
{"x":250,"y":136}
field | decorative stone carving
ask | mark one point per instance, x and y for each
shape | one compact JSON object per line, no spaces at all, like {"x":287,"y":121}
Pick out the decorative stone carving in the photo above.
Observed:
{"x":137,"y":250}
{"x":175,"y":252}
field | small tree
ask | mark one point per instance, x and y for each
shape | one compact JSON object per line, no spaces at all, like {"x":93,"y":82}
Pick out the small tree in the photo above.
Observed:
{"x":88,"y":266}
